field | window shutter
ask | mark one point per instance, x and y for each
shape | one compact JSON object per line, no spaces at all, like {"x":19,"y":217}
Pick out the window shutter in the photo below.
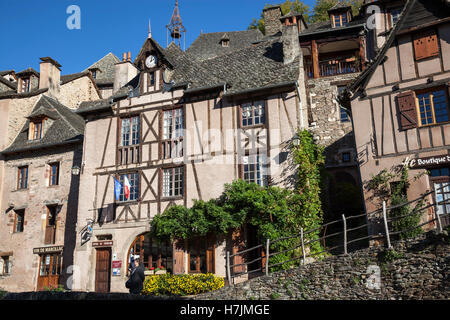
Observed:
{"x":426,"y":45}
{"x":407,"y":110}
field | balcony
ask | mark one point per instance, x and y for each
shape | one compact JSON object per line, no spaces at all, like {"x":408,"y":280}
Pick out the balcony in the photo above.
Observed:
{"x":129,"y":154}
{"x":333,"y":67}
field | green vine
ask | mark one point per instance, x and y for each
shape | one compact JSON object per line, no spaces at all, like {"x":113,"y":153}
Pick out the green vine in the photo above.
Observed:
{"x":391,"y":186}
{"x":274,"y":212}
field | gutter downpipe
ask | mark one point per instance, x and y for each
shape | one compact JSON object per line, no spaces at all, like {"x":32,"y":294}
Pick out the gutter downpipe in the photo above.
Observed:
{"x":302,"y":121}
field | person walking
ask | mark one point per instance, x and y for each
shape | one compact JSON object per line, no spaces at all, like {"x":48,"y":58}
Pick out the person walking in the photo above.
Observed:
{"x":136,"y":281}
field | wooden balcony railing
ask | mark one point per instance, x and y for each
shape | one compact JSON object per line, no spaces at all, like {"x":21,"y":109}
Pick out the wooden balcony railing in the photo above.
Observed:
{"x":332,"y":67}
{"x":172,"y":148}
{"x":129,"y":154}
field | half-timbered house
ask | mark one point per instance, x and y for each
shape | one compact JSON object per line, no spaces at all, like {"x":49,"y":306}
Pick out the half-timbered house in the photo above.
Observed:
{"x":400,"y":103}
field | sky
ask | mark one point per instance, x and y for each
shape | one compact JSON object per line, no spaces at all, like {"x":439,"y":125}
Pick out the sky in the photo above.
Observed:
{"x":31,"y":29}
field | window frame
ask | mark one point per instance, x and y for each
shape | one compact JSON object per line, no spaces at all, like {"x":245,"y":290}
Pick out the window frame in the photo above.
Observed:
{"x":57,"y":164}
{"x":173,"y":182}
{"x":25,"y":84}
{"x":22,"y":184}
{"x":253,"y":108}
{"x":134,"y":192}
{"x":433,"y":113}
{"x":6,"y":265}
{"x":172,"y":141}
{"x":17,"y":214}
{"x":37,"y":123}
{"x":263,"y":169}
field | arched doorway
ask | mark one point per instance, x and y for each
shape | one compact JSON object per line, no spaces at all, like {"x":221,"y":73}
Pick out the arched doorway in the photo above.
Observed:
{"x":153,"y":253}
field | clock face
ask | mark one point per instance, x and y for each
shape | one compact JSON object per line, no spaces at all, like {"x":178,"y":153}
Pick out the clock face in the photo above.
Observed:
{"x":150,"y":62}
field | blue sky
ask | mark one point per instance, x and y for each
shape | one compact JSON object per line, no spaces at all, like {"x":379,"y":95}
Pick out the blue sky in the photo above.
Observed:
{"x":30,"y":29}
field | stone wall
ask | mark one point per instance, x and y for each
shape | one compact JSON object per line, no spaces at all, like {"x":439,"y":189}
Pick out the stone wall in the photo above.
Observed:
{"x":325,"y":120}
{"x":417,"y":269}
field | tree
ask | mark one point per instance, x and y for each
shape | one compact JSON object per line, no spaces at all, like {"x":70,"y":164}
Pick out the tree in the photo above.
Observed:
{"x":318,"y":13}
{"x":320,"y":10}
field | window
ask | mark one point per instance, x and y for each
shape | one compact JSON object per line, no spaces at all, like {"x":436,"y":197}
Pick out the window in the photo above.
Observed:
{"x":346,"y":157}
{"x":255,"y":169}
{"x":50,"y":228}
{"x":36,"y":130}
{"x":432,"y":107}
{"x":151,"y":78}
{"x":133,"y":179}
{"x":6,"y":265}
{"x":440,"y":178}
{"x":94,"y":74}
{"x":173,"y":179}
{"x":201,"y":255}
{"x":25,"y":85}
{"x":54,"y":174}
{"x":426,"y":45}
{"x":395,"y":15}
{"x":19,"y":220}
{"x":253,"y":114}
{"x":130,"y":134}
{"x":50,"y":265}
{"x":22,"y":178}
{"x":172,"y":135}
{"x":154,"y":254}
{"x":344,"y":115}
{"x":340,"y":20}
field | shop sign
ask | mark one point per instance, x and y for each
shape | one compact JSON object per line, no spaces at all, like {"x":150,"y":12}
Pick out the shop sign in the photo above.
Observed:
{"x":419,"y":163}
{"x":107,"y":243}
{"x":54,"y":249}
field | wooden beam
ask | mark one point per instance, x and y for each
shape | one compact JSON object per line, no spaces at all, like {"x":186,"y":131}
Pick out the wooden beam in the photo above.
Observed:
{"x":315,"y":58}
{"x":362,"y":56}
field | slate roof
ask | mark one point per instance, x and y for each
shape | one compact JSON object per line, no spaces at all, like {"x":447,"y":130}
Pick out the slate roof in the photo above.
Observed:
{"x":67,"y":127}
{"x":74,"y":76}
{"x":2,"y":73}
{"x":106,"y":67}
{"x":12,"y":85}
{"x":208,"y":45}
{"x":28,"y":71}
{"x":256,"y":66}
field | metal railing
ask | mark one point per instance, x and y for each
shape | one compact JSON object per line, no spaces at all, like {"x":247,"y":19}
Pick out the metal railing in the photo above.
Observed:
{"x":379,"y":216}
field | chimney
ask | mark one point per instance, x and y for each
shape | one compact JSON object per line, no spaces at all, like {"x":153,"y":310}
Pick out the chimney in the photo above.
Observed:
{"x":272,"y":21}
{"x":291,"y":44}
{"x":50,"y":75}
{"x":124,"y":72}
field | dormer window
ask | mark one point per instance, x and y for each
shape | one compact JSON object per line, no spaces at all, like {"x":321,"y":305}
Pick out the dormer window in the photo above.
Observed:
{"x":340,"y":20}
{"x":395,"y":15}
{"x":340,"y":15}
{"x":225,"y":41}
{"x":36,"y":129}
{"x":25,"y":85}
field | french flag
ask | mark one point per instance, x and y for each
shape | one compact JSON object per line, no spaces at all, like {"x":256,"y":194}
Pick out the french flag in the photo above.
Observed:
{"x":127,"y":187}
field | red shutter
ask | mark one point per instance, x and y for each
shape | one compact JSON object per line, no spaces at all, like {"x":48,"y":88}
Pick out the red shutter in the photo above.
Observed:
{"x":426,"y":45}
{"x":407,"y":110}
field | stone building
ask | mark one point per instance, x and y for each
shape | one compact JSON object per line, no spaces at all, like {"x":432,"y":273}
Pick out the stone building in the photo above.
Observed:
{"x":400,"y":103}
{"x":41,"y":147}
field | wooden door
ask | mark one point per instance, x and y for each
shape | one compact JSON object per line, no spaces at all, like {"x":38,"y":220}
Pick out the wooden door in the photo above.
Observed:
{"x":49,"y":271}
{"x":178,"y":257}
{"x":103,"y":270}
